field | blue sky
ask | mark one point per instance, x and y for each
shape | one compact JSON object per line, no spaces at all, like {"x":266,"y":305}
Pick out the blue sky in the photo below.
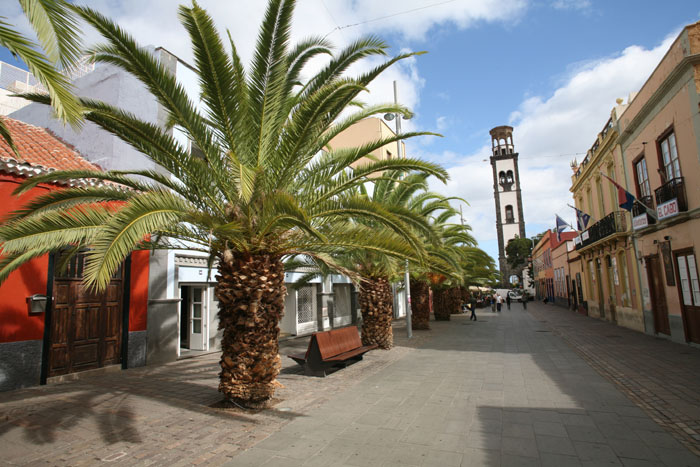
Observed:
{"x":550,"y":68}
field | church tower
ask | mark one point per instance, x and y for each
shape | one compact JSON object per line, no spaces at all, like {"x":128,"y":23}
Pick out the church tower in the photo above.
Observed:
{"x":506,"y":193}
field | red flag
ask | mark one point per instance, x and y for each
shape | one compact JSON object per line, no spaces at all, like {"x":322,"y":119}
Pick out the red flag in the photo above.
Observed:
{"x":625,"y":199}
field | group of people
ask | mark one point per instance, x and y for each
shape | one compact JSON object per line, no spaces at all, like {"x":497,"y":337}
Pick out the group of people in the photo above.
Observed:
{"x":496,"y":303}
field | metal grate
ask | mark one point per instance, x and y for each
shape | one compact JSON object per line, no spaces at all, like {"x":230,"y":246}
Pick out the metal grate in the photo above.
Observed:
{"x":305,"y":312}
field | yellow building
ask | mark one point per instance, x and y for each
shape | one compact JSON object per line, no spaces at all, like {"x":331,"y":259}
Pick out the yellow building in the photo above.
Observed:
{"x":606,"y":253}
{"x":365,"y":131}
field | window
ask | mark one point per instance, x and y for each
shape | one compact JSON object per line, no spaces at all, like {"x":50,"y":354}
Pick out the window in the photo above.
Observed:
{"x":688,"y":273}
{"x":642,"y":178}
{"x":589,"y":198}
{"x":599,"y":191}
{"x":613,"y":190}
{"x":509,"y":176}
{"x":509,"y":214}
{"x":669,"y":157}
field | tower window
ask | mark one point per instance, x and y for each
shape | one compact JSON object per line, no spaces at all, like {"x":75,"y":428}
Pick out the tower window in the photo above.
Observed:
{"x":505,"y":179}
{"x":509,"y":215}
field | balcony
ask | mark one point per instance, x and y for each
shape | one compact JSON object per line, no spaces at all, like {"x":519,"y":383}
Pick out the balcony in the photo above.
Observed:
{"x":609,"y":225}
{"x":673,"y":189}
{"x":638,"y":210}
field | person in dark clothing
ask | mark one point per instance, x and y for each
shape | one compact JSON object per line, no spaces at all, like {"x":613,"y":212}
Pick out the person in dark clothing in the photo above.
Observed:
{"x":472,"y":306}
{"x":508,"y":301}
{"x":525,"y":298}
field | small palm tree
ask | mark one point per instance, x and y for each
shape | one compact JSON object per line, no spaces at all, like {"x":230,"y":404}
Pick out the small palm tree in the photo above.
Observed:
{"x":257,"y":191}
{"x":57,"y":30}
{"x":403,"y":194}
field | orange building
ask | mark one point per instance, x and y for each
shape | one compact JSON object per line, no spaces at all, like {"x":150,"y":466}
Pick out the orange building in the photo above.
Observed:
{"x":660,"y":142}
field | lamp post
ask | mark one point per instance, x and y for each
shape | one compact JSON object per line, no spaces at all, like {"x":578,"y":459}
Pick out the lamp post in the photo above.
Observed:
{"x":407,"y":277}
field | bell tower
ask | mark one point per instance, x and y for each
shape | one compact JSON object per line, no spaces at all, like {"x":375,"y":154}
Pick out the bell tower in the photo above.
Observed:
{"x":506,"y":193}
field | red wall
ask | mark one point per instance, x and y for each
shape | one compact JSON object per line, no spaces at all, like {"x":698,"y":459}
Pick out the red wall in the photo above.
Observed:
{"x":15,"y":322}
{"x":138,"y":303}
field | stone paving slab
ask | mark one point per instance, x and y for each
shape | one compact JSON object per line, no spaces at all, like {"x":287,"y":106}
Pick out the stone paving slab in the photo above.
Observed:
{"x":661,"y":377}
{"x":160,"y":415}
{"x":507,"y":390}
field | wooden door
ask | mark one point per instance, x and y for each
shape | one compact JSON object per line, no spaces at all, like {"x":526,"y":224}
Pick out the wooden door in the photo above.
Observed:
{"x":658,"y":296}
{"x":86,"y":328}
{"x":689,"y":291}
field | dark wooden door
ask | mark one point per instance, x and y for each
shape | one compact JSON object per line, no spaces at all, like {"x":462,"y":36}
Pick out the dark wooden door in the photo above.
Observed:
{"x":689,"y":291}
{"x":658,"y":296}
{"x":86,"y":327}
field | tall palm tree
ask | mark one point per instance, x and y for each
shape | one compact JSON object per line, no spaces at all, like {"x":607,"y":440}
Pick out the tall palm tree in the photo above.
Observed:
{"x":57,"y":30}
{"x":257,"y":191}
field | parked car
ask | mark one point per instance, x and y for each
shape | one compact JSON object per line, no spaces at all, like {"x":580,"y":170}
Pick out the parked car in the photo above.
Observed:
{"x":516,"y":295}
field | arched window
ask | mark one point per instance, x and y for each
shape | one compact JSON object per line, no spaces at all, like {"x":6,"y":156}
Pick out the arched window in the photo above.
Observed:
{"x":624,"y":279}
{"x":501,"y":177}
{"x":509,"y":214}
{"x":509,"y":176}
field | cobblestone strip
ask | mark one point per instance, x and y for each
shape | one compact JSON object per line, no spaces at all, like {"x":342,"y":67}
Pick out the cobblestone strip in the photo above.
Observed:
{"x":684,"y":428}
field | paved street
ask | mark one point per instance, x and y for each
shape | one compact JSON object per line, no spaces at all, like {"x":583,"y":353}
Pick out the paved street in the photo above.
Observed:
{"x":515,"y":388}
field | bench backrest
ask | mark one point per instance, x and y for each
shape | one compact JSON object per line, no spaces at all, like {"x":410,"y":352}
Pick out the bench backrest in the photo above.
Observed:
{"x":336,"y":341}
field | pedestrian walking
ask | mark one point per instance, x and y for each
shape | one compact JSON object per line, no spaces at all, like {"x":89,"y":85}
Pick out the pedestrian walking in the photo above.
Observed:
{"x":524,"y":300}
{"x":508,"y":301}
{"x":492,"y":299}
{"x":499,"y":302}
{"x":472,"y":305}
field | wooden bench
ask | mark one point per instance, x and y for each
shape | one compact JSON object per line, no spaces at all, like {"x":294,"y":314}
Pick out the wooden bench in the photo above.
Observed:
{"x":329,"y":349}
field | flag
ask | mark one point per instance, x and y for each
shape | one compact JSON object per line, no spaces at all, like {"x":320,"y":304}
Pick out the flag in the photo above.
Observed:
{"x":561,"y":226}
{"x":625,"y":199}
{"x":581,"y":218}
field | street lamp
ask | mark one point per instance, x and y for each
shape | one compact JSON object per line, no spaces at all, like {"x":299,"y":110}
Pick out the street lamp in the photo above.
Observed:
{"x":407,"y":278}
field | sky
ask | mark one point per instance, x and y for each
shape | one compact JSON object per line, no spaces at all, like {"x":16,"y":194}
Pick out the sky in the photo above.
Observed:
{"x":552,"y":69}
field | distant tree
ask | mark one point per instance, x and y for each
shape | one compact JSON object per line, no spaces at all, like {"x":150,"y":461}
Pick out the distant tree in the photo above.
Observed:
{"x":518,"y":251}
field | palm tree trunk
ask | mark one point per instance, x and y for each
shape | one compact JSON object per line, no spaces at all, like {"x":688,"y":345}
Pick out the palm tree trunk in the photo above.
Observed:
{"x":376,"y":305}
{"x":420,"y":305}
{"x":441,"y":305}
{"x":251,"y":302}
{"x":455,"y":300}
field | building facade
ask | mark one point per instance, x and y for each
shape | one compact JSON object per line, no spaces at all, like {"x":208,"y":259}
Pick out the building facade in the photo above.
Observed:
{"x":510,"y":222}
{"x":660,"y":141}
{"x":604,"y":247}
{"x":50,"y":324}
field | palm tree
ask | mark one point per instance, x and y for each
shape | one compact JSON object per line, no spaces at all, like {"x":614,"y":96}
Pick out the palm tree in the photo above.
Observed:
{"x":438,"y":210}
{"x":403,"y":194}
{"x":57,"y":30}
{"x":256,"y":192}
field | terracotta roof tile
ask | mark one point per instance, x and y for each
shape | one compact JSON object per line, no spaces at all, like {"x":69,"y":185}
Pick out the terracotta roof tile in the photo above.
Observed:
{"x":38,"y":147}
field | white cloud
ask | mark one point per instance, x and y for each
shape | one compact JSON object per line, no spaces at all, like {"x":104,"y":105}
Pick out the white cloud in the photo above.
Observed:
{"x":571,"y":4}
{"x":547,"y":130}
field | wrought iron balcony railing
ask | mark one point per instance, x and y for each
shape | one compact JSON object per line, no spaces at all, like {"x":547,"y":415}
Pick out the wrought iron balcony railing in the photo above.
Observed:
{"x":674,"y":188}
{"x":611,"y":224}
{"x":638,"y":208}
